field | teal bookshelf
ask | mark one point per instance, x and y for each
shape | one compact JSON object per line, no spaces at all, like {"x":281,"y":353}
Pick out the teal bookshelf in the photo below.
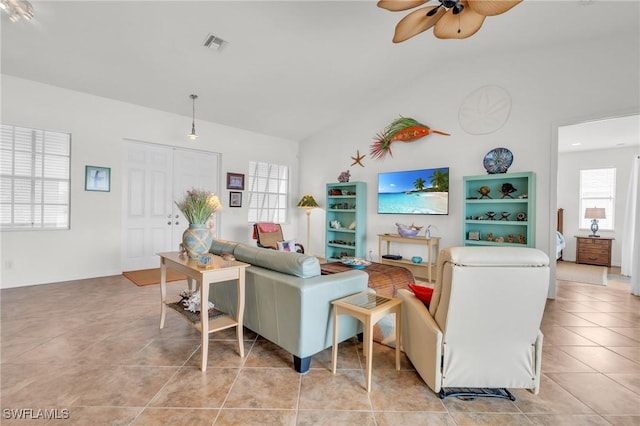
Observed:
{"x":496,"y":219}
{"x":346,"y":204}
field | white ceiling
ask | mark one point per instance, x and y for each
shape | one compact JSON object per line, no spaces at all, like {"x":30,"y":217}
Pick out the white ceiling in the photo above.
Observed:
{"x":290,"y":68}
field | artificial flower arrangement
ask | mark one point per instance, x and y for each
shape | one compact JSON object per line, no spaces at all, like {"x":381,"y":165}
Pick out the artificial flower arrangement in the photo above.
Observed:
{"x":197,"y":206}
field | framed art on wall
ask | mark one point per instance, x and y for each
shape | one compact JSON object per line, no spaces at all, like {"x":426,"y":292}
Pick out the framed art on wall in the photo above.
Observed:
{"x":235,"y":181}
{"x":235,"y":199}
{"x":97,"y":178}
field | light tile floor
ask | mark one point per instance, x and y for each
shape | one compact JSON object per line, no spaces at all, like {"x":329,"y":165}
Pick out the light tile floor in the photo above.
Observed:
{"x":93,"y":348}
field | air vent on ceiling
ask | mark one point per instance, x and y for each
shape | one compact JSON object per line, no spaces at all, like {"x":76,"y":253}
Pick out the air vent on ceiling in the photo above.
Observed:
{"x":214,"y":42}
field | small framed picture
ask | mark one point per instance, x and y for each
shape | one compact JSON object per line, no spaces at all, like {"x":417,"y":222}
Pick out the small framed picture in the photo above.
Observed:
{"x":235,"y":181}
{"x":97,"y":178}
{"x":235,"y":199}
{"x":474,"y":235}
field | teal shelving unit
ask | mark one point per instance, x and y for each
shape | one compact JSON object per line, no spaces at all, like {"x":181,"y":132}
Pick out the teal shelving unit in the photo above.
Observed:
{"x":495,"y":218}
{"x":347,"y":204}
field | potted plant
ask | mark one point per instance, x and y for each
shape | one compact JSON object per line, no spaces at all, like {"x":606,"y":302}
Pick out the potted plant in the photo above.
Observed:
{"x":198,"y":208}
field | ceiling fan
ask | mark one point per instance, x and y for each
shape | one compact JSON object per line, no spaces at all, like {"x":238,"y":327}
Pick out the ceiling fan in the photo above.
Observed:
{"x":449,"y":18}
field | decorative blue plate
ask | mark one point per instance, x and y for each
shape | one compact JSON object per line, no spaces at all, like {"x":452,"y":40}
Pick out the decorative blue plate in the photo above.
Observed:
{"x":497,"y":160}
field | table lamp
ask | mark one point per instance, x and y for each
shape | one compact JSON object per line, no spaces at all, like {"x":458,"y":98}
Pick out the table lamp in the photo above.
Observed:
{"x":308,"y":202}
{"x":594,"y":213}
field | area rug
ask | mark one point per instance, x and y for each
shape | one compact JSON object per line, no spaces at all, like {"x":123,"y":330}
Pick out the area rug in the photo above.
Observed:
{"x":152,"y":276}
{"x":580,"y":273}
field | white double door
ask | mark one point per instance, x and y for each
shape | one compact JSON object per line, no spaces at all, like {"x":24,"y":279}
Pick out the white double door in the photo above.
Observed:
{"x":154,"y":177}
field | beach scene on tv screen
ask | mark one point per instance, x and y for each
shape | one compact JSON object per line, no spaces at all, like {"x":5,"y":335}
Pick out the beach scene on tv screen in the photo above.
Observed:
{"x":423,"y":191}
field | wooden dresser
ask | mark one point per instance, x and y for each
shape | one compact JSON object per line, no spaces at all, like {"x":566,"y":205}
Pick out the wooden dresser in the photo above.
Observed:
{"x":594,"y":251}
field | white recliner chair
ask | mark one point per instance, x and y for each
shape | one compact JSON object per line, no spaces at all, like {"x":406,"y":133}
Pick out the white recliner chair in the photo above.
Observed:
{"x":481,"y":333}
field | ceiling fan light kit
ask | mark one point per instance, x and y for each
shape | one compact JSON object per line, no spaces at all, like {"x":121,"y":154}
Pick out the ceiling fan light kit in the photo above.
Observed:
{"x":17,"y":9}
{"x":449,"y":18}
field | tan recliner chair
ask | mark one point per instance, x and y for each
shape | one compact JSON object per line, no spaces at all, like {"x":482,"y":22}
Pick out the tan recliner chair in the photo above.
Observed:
{"x":481,"y":332}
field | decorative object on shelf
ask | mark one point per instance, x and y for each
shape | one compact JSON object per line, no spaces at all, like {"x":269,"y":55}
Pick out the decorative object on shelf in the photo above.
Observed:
{"x":523,"y":196}
{"x":344,"y":176}
{"x":355,"y":262}
{"x":507,"y":189}
{"x":498,"y":160}
{"x":474,"y":235}
{"x":427,"y":233}
{"x":97,"y":178}
{"x":594,"y":213}
{"x":335,"y":224}
{"x":499,"y":239}
{"x":191,"y":301}
{"x":198,"y":207}
{"x":408,"y":231}
{"x":352,"y":226}
{"x":309,"y":203}
{"x":489,"y":236}
{"x":358,"y":159}
{"x":484,"y":192}
{"x":402,"y":129}
{"x":491,"y":215}
{"x":504,"y":215}
{"x":416,"y":259}
{"x":17,"y":9}
{"x":521,"y":216}
{"x":521,"y":239}
{"x":511,"y":239}
{"x":235,"y":181}
{"x":449,"y":19}
{"x":484,"y":110}
{"x":193,"y":136}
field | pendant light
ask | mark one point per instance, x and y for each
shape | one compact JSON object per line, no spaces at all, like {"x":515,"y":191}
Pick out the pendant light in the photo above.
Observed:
{"x":193,"y":136}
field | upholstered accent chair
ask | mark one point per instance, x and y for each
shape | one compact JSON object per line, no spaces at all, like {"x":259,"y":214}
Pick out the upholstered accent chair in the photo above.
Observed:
{"x":480,"y":334}
{"x":269,"y":234}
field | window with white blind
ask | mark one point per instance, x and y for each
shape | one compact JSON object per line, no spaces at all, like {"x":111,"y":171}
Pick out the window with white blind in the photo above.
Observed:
{"x":268,"y":192}
{"x":598,"y":189}
{"x":34,"y":178}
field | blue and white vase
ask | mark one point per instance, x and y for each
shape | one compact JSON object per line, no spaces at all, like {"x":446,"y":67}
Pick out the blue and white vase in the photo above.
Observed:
{"x":196,"y":239}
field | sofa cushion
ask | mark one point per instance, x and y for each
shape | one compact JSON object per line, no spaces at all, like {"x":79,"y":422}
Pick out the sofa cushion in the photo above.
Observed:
{"x":221,"y":246}
{"x":297,"y":264}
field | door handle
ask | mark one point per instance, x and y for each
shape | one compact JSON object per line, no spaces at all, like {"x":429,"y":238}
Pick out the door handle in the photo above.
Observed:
{"x":169,"y":216}
{"x":177,"y":216}
{"x":169,"y":223}
{"x":177,"y":223}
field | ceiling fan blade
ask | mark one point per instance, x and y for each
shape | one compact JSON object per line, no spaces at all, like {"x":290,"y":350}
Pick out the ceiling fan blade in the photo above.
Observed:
{"x":461,"y":25}
{"x":416,"y":22}
{"x":398,"y":5}
{"x":492,"y":7}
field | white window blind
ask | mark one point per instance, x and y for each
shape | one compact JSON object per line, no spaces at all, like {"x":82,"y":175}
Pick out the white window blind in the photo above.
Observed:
{"x":268,"y":192}
{"x":598,"y":189}
{"x":34,"y":178}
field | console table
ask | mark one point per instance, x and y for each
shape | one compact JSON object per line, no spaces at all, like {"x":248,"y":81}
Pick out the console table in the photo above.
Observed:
{"x":594,"y":250}
{"x":419,"y":270}
{"x":221,"y":270}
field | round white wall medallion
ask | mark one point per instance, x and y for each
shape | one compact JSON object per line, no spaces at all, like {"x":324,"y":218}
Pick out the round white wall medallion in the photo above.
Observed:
{"x":484,"y":110}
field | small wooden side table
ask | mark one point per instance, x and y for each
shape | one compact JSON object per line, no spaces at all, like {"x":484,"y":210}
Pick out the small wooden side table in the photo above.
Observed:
{"x":368,"y":308}
{"x":222,"y":270}
{"x":593,"y":250}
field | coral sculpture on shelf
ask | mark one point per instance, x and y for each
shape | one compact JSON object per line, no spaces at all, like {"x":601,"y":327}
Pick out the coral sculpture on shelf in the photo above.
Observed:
{"x":403,"y":129}
{"x":344,"y":176}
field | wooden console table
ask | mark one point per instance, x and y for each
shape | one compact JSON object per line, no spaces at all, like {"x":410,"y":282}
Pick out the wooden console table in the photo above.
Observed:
{"x":594,"y":250}
{"x":420,"y":270}
{"x":222,"y":271}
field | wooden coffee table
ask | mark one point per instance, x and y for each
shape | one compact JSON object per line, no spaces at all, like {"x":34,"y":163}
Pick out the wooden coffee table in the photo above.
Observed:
{"x":368,"y":308}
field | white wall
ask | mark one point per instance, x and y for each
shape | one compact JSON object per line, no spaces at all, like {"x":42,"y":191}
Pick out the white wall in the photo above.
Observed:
{"x":569,"y":166}
{"x":98,"y":125}
{"x":547,"y":87}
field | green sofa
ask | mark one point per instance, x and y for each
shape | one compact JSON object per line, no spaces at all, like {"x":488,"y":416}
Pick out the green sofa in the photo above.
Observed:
{"x":287,"y":300}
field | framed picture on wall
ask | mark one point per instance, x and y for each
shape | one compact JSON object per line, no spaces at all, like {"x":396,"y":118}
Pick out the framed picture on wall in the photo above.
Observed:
{"x":97,"y":178}
{"x":235,"y":181}
{"x":235,"y":199}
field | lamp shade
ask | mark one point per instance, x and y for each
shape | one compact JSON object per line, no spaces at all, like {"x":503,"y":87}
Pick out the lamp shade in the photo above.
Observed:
{"x":594,"y":213}
{"x":308,"y":202}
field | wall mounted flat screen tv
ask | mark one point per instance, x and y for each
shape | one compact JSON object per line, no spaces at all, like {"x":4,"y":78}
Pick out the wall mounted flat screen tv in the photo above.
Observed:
{"x":424,"y":191}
